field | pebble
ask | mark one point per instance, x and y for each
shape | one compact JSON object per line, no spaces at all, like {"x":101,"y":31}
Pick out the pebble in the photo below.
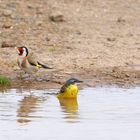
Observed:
{"x":7,"y":45}
{"x":7,"y":13}
{"x":111,"y":39}
{"x":121,"y":20}
{"x":57,"y":17}
{"x":7,"y":25}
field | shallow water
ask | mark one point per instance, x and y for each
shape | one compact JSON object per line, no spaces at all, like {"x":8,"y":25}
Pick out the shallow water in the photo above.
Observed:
{"x":99,"y":113}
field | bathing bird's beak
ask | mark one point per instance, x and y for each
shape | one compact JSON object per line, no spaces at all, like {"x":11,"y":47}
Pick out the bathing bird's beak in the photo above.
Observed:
{"x":79,"y":81}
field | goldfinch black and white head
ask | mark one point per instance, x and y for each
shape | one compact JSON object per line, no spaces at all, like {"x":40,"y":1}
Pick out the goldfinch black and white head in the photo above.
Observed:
{"x":23,"y":51}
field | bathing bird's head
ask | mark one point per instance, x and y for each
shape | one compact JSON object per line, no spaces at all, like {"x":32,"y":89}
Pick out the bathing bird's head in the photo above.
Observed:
{"x":73,"y":81}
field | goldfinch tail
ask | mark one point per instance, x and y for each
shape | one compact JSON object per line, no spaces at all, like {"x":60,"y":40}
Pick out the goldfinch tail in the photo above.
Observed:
{"x":39,"y":65}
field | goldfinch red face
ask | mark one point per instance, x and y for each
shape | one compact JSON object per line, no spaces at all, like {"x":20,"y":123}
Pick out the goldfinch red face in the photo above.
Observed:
{"x":22,"y":51}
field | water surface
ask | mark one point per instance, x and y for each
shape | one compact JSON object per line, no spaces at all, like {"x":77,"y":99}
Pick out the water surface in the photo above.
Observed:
{"x":98,"y":113}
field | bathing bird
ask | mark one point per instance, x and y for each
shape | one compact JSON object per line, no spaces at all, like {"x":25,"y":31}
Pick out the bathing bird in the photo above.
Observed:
{"x":69,"y":89}
{"x":28,"y":62}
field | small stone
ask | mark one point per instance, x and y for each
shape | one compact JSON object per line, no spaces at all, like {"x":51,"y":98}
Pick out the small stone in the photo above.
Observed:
{"x":68,"y":47}
{"x":7,"y":45}
{"x":111,"y":39}
{"x":48,"y":39}
{"x":6,"y":25}
{"x":78,"y":33}
{"x":120,"y":20}
{"x":57,"y":17}
{"x":7,"y":13}
{"x":39,"y":11}
{"x":39,"y":79}
{"x":127,"y":74}
{"x":30,"y":6}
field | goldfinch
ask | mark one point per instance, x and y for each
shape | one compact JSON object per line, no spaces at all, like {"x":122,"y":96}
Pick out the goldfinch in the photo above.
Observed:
{"x":27,"y":61}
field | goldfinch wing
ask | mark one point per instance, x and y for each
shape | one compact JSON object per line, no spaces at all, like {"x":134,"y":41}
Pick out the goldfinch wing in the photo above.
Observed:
{"x":32,"y":59}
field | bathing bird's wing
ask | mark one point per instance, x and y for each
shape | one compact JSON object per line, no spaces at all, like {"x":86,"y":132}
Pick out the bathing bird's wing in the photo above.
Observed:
{"x":64,"y":87}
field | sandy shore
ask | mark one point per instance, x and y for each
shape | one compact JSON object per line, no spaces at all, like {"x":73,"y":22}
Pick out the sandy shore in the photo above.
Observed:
{"x":96,"y":41}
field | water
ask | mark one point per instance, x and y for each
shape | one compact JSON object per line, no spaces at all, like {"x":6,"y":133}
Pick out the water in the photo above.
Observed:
{"x":98,"y":114}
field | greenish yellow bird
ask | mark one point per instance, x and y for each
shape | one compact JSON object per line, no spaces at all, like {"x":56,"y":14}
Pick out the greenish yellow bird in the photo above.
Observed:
{"x":69,"y":89}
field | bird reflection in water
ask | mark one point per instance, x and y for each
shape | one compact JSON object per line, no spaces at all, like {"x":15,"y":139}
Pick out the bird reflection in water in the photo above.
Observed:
{"x":70,"y":109}
{"x":27,"y":106}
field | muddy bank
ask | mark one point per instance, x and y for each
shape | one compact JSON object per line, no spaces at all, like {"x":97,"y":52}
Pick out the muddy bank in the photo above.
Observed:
{"x":116,"y":76}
